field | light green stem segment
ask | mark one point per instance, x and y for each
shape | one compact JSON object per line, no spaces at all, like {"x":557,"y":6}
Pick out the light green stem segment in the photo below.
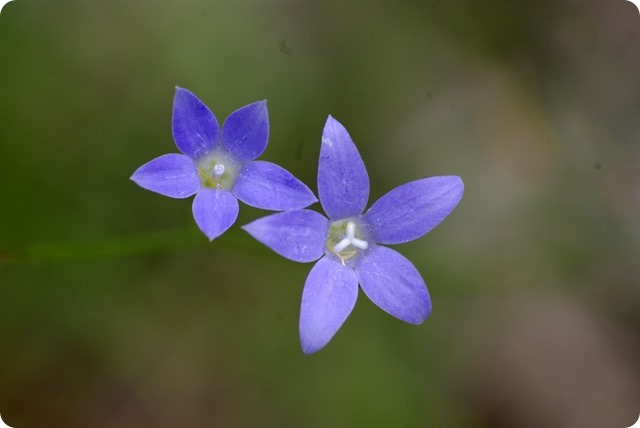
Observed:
{"x":165,"y":241}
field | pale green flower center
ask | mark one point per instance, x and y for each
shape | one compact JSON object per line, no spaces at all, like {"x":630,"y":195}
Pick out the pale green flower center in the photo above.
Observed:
{"x":217,"y":171}
{"x":347,"y":238}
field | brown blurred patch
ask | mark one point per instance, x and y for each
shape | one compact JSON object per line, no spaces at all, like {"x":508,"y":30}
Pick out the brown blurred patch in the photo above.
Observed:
{"x":558,"y":363}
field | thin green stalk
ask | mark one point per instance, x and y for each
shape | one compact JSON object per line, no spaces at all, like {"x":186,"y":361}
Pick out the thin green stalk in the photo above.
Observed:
{"x":111,"y":248}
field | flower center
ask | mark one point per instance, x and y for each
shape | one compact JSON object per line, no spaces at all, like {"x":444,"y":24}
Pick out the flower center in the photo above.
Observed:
{"x":217,"y":171}
{"x":346,"y":239}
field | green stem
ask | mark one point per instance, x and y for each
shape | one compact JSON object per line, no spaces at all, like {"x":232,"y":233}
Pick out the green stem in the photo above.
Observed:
{"x":119,"y":247}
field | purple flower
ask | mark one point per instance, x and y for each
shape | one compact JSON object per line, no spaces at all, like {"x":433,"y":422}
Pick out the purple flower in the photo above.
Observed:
{"x":348,"y":243}
{"x":219,"y":167}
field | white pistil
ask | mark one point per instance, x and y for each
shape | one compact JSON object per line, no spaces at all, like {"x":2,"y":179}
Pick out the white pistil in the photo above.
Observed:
{"x":350,"y":239}
{"x":218,"y":170}
{"x":359,"y":243}
{"x":342,"y":245}
{"x":351,"y":230}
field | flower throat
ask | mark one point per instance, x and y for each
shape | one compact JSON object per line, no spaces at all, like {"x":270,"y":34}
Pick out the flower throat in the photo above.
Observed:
{"x":217,"y":172}
{"x":346,"y":239}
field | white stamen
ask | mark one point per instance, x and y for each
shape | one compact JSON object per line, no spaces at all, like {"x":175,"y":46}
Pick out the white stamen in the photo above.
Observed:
{"x":218,"y":170}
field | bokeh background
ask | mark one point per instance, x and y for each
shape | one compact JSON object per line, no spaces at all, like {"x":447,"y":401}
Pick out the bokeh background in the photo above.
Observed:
{"x":116,"y":312}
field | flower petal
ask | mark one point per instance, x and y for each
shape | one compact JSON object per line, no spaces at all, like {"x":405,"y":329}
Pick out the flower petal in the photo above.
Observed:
{"x":171,"y":175}
{"x":246,"y":131}
{"x":394,"y":284}
{"x":328,"y":298}
{"x":214,"y":211}
{"x":413,"y":209}
{"x":267,"y":186}
{"x":300,"y":236}
{"x":195,"y":128}
{"x":343,"y":183}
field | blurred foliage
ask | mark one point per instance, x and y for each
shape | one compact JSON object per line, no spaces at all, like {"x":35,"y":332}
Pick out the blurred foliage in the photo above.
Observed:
{"x":116,"y":312}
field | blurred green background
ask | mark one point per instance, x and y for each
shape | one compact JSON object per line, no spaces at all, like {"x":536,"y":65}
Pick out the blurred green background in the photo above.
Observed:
{"x":116,"y":312}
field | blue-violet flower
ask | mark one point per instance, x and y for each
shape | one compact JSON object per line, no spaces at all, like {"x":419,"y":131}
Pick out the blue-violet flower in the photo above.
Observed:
{"x":348,"y":243}
{"x":218,"y":166}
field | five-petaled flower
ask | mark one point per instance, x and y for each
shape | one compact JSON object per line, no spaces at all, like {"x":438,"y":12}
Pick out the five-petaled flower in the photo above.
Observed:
{"x":219,"y":167}
{"x":348,"y":243}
